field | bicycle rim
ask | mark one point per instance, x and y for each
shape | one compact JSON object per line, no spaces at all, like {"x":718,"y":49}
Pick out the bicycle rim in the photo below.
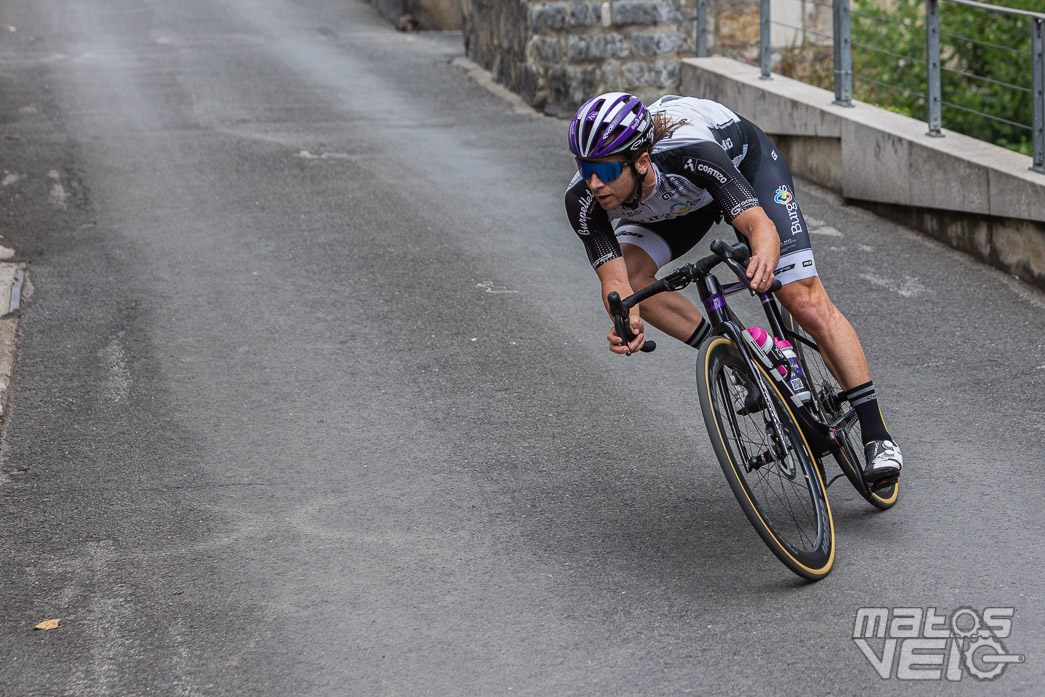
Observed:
{"x":776,"y":481}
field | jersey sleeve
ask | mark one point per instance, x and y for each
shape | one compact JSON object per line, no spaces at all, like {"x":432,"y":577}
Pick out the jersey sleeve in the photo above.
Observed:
{"x":708,"y":166}
{"x":591,"y":224}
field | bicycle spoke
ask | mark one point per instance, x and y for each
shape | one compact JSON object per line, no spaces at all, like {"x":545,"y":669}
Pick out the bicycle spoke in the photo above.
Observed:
{"x":784,"y":500}
{"x":801,"y":493}
{"x":765,"y":459}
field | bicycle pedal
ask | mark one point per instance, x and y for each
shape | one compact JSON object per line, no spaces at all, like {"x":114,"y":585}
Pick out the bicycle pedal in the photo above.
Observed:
{"x":883,"y":483}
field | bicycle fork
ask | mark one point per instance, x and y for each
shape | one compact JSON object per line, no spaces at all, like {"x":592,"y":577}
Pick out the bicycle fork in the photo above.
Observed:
{"x":775,"y":428}
{"x":717,"y":311}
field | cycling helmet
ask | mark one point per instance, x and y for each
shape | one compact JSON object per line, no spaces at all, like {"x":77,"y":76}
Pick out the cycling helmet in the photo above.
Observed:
{"x":615,"y":123}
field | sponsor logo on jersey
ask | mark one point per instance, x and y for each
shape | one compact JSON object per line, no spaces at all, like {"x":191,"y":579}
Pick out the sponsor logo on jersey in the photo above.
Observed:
{"x":742,"y":206}
{"x":808,"y":262}
{"x":586,"y":204}
{"x":787,"y":199}
{"x":603,"y":259}
{"x":628,"y":233}
{"x":689,"y":164}
{"x":773,"y":154}
{"x":784,"y":269}
{"x":682,"y":208}
{"x":712,"y":172}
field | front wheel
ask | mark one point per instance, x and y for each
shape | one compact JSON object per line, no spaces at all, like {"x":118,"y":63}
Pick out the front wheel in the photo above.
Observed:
{"x":826,"y":392}
{"x":767,"y":461}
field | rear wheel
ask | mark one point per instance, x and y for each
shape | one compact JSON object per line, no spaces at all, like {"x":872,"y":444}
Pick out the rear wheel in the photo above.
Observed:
{"x":827,"y":395}
{"x":772,"y":472}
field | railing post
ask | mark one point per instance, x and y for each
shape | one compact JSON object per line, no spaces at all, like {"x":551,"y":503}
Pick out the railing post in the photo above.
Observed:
{"x":702,"y":28}
{"x":766,"y":51}
{"x":843,"y":45}
{"x":932,"y":40}
{"x":1038,"y":94}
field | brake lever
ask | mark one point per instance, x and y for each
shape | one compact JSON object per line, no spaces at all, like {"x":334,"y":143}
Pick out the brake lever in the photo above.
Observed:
{"x":740,"y":270}
{"x":741,"y":273}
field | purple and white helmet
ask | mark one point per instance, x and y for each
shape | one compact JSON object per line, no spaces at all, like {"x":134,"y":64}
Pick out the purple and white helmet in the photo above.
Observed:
{"x":614,"y":123}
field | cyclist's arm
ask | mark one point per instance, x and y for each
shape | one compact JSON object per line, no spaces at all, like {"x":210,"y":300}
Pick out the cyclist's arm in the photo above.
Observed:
{"x":764,"y":241}
{"x":592,"y":225}
{"x":614,"y":277}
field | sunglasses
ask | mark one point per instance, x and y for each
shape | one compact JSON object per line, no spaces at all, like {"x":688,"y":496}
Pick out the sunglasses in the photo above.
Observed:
{"x":607,"y":171}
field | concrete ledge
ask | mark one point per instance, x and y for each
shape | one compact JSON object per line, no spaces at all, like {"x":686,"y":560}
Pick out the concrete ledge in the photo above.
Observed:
{"x":869,"y":154}
{"x":889,"y":158}
{"x":8,"y":323}
{"x":780,"y":105}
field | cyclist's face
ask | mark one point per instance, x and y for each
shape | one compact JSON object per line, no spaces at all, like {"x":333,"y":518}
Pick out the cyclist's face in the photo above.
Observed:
{"x":613,"y":194}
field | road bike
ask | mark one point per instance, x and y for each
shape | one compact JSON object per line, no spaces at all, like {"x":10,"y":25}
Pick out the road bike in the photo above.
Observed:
{"x":771,"y":435}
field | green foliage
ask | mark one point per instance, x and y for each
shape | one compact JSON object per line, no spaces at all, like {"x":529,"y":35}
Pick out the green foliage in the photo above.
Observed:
{"x":985,"y":57}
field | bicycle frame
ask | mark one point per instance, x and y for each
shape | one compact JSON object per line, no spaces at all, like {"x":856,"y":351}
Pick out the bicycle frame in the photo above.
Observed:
{"x":821,"y":436}
{"x":760,"y":423}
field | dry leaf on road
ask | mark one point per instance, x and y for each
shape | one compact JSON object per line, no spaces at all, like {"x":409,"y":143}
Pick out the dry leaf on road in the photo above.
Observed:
{"x":47,"y":624}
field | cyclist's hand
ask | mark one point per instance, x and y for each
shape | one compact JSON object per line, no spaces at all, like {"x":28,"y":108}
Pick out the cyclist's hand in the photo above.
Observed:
{"x":617,"y":344}
{"x":760,"y":272}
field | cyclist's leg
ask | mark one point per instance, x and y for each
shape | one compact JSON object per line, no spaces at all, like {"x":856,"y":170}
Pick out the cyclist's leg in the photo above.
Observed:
{"x":648,"y":247}
{"x":803,"y":294}
{"x":805,"y":298}
{"x":672,"y":313}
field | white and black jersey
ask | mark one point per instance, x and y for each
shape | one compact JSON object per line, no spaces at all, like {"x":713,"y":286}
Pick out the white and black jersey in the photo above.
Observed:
{"x":713,"y":165}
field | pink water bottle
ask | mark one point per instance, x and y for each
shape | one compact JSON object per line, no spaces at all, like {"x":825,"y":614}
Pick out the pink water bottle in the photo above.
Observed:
{"x":759,"y":339}
{"x":778,"y":357}
{"x":793,"y":372}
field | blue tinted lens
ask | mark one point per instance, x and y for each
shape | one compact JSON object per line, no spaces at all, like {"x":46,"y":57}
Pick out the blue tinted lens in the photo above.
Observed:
{"x":606,"y":171}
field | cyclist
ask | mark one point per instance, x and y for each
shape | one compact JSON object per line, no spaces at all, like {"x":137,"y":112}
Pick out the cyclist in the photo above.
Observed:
{"x":669,"y":172}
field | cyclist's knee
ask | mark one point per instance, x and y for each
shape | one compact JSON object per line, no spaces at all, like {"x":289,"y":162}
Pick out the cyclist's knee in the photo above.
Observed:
{"x":640,"y":279}
{"x":815,"y":317}
{"x":808,"y":303}
{"x":642,"y":270}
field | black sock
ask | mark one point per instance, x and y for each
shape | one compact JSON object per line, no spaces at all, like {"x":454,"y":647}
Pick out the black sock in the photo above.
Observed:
{"x":865,"y":402}
{"x":703,"y":329}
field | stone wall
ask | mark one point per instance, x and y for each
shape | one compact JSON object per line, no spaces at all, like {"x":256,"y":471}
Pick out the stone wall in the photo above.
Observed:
{"x":557,"y":54}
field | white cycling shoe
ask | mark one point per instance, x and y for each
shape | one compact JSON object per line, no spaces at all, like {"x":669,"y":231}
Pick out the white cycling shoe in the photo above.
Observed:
{"x":884,"y":461}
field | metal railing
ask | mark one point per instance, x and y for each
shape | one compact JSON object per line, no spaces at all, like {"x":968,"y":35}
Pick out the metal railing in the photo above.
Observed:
{"x":843,"y":70}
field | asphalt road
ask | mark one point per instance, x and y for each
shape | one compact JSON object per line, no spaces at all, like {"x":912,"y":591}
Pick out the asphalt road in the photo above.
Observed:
{"x":313,"y":398}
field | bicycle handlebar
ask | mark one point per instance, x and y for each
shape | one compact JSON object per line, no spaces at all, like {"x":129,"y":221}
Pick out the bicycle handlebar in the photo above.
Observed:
{"x":734,"y":256}
{"x":622,"y":322}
